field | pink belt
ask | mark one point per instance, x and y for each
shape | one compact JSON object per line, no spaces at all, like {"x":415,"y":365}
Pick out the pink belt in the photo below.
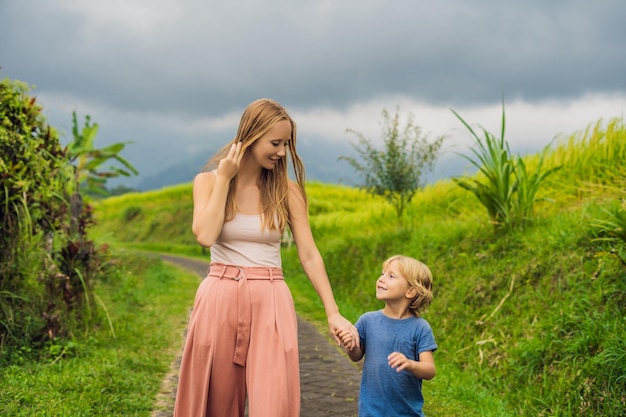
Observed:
{"x":242,"y":274}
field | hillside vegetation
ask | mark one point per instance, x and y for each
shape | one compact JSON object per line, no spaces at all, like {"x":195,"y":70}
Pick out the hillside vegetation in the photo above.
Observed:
{"x":528,"y":322}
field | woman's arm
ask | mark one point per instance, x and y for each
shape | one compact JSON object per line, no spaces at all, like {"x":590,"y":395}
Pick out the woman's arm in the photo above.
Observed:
{"x":209,"y":193}
{"x":209,"y":197}
{"x":313,"y":264}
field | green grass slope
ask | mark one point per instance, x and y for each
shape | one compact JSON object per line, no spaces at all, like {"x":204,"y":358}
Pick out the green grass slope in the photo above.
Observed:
{"x":528,"y":323}
{"x":118,"y":368}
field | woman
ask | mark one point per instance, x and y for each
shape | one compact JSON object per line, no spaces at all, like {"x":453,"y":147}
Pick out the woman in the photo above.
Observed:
{"x":242,"y":335}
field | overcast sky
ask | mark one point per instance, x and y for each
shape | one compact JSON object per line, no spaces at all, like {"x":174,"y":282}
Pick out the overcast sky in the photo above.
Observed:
{"x":174,"y":76}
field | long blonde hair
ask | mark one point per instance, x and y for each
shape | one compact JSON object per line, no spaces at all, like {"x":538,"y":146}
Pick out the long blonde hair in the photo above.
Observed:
{"x":259,"y":117}
{"x":418,"y":276}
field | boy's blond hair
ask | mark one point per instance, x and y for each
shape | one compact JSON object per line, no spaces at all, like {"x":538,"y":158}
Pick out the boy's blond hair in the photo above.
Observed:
{"x":418,"y":276}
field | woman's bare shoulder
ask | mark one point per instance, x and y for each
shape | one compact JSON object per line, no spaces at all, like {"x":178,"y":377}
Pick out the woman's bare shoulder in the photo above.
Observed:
{"x":294,"y":188}
{"x":295,"y":197}
{"x":205,"y":176}
{"x":204,"y":179}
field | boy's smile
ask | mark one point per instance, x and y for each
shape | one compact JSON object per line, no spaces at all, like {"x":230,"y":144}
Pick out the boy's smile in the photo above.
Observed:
{"x":391,"y":285}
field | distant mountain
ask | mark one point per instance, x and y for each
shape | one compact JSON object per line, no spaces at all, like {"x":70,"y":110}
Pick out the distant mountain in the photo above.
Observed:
{"x":320,"y":161}
{"x":320,"y":158}
{"x":179,"y":173}
{"x":322,"y":164}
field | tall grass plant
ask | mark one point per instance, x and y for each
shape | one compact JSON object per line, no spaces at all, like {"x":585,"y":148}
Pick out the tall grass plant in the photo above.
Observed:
{"x":504,"y":186}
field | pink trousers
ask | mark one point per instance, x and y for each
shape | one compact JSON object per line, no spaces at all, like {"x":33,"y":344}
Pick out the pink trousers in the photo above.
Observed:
{"x":242,"y":340}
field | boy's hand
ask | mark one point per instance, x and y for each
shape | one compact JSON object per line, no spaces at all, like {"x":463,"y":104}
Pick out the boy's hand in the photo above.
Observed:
{"x":423,"y":368}
{"x":339,"y":324}
{"x":346,"y":338}
{"x":398,"y":361}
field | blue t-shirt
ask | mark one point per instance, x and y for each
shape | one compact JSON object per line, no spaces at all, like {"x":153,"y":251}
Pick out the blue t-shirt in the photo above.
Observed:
{"x":384,"y":391}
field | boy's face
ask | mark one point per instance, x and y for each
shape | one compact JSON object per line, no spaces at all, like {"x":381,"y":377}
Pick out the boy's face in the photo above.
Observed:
{"x":392,"y":286}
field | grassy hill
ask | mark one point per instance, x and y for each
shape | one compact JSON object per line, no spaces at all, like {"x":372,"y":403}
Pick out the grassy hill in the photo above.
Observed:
{"x":530,"y":322}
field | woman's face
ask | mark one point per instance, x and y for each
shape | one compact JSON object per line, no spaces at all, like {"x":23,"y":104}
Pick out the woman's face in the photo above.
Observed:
{"x":272,"y":146}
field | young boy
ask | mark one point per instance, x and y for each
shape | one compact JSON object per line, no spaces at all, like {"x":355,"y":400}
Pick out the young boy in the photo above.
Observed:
{"x":397,"y":343}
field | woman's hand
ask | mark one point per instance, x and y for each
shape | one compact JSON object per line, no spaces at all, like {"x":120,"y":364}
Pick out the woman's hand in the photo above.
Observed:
{"x":350,"y":344}
{"x":341,"y":329}
{"x":229,"y":166}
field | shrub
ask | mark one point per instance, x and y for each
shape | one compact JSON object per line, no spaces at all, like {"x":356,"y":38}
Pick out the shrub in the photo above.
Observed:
{"x":395,"y":173}
{"x":32,"y":180}
{"x":47,"y":264}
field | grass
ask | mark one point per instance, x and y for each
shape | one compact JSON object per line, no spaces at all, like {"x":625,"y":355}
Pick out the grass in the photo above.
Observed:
{"x":106,"y":374}
{"x":528,"y":322}
{"x":138,"y":217}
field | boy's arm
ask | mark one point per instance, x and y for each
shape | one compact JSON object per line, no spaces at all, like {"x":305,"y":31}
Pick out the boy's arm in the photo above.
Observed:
{"x":423,"y":369}
{"x":355,"y":354}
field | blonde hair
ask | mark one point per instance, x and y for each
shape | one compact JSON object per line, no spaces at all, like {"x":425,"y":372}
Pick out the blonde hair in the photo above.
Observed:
{"x":418,"y":276}
{"x":259,"y":117}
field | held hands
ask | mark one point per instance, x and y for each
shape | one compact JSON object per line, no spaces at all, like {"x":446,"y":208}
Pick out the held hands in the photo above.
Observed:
{"x":229,"y":166}
{"x":344,"y":332}
{"x":346,"y":339}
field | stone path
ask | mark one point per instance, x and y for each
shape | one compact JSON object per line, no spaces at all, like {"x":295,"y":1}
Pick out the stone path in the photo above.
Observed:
{"x":329,"y":381}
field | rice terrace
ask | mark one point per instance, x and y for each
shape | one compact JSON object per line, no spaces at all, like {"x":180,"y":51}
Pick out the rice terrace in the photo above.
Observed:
{"x":528,"y":257}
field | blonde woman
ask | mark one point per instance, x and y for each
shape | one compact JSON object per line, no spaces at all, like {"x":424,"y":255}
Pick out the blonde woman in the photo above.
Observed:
{"x":397,"y":343}
{"x":242,"y":335}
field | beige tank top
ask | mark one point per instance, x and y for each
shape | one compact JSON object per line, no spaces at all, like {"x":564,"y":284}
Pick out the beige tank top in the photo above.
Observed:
{"x":243,"y":243}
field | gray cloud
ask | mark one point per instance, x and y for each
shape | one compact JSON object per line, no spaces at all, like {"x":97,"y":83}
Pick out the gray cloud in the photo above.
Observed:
{"x":190,"y":59}
{"x":205,"y":57}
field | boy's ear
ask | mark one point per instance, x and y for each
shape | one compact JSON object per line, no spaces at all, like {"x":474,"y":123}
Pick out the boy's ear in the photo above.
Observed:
{"x":411,"y":292}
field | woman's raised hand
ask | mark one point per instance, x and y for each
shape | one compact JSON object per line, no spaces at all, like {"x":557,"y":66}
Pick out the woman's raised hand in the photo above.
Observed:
{"x":229,"y":166}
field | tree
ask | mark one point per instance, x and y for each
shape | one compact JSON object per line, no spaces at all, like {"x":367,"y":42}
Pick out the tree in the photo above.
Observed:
{"x":395,"y":171}
{"x":88,"y":160}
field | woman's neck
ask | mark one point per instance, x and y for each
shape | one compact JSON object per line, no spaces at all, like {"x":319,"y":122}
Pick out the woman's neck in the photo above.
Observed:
{"x":248,"y":174}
